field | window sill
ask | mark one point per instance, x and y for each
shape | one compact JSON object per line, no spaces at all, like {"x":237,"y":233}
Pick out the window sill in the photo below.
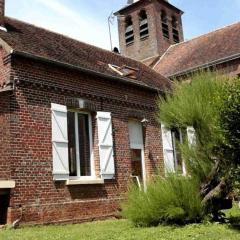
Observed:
{"x":84,"y":182}
{"x":129,"y":44}
{"x":143,"y":38}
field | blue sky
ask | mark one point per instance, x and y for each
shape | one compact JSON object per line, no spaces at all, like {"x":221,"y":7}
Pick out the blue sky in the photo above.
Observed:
{"x":86,"y":20}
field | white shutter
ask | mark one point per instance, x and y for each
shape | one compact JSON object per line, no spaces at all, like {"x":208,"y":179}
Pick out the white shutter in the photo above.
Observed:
{"x":135,"y":135}
{"x":107,"y":166}
{"x":60,"y":142}
{"x":191,"y":136}
{"x":168,"y":150}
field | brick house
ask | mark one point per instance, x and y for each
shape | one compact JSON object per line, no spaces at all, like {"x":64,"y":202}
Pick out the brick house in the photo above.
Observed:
{"x":78,"y":123}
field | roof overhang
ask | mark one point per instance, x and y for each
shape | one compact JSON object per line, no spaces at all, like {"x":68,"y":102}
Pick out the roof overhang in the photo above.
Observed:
{"x":87,"y":71}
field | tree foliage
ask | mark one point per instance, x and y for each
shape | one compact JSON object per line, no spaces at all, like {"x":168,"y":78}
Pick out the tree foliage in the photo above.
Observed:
{"x":173,"y":200}
{"x":211,"y":104}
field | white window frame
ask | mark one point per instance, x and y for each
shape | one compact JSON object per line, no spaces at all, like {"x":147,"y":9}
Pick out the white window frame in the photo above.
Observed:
{"x":92,"y":164}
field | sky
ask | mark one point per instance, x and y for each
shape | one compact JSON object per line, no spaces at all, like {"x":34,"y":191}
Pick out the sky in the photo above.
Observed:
{"x":86,"y":20}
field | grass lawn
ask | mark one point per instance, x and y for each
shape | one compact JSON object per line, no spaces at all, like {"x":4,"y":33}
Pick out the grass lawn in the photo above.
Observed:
{"x":123,"y":230}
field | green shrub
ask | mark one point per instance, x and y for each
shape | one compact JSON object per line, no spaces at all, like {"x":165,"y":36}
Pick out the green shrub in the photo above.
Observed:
{"x":173,"y":200}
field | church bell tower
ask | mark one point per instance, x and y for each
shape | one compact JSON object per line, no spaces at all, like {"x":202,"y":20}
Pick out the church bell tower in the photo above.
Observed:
{"x":148,"y":27}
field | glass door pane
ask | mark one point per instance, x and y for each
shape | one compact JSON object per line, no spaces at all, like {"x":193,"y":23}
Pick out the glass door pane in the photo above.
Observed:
{"x":136,"y":162}
{"x":84,"y":144}
{"x":72,"y":144}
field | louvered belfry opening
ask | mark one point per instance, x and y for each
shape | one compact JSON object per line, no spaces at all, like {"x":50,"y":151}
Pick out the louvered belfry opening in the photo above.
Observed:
{"x":143,"y":21}
{"x":165,"y":28}
{"x":129,"y":34}
{"x":175,"y":30}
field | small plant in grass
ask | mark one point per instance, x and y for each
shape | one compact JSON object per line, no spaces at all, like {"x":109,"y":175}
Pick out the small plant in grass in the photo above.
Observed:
{"x":173,"y":200}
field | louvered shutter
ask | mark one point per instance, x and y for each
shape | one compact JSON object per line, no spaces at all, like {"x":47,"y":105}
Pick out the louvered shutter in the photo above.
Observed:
{"x":60,"y":142}
{"x":168,"y":151}
{"x":191,"y":136}
{"x":106,"y":145}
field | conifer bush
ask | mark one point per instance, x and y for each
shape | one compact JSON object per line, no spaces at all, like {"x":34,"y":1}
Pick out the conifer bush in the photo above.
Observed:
{"x":210,"y":103}
{"x":171,"y":200}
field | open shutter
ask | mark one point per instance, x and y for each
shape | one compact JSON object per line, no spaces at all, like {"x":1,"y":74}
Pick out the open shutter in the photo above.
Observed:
{"x":191,"y":136}
{"x":168,"y":151}
{"x":60,"y":142}
{"x":106,"y":145}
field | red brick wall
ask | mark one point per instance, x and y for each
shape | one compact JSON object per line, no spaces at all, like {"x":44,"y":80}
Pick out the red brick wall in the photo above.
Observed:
{"x":4,"y":121}
{"x":155,"y":44}
{"x":231,"y":68}
{"x":36,"y":195}
{"x":4,"y":137}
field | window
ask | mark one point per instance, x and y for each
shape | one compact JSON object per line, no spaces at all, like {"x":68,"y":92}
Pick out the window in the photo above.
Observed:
{"x":178,"y":136}
{"x":175,"y":30}
{"x":129,"y":34}
{"x":79,"y":144}
{"x":165,"y":29}
{"x":125,"y":71}
{"x":72,"y":146}
{"x":171,"y":138}
{"x":143,"y":21}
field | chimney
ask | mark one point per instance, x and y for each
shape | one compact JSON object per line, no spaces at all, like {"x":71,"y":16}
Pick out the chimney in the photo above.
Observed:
{"x":2,"y":12}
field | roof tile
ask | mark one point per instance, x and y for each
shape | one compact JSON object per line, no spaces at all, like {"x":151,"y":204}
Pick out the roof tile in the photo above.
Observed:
{"x":40,"y":42}
{"x":219,"y":44}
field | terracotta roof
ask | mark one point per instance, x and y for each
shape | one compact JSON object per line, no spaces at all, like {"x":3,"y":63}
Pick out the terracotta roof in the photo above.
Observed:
{"x":32,"y":40}
{"x":150,"y":62}
{"x":218,"y":45}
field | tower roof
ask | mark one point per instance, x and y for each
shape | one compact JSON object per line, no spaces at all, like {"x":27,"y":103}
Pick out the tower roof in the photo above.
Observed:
{"x":139,"y":2}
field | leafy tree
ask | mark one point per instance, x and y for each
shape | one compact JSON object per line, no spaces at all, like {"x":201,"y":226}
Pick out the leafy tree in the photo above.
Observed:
{"x":211,"y":104}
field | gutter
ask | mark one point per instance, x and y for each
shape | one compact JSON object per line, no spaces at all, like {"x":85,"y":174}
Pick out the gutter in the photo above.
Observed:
{"x":85,"y":70}
{"x":206,"y":65}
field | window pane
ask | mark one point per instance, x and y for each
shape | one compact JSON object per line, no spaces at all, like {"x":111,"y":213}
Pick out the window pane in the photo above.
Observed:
{"x":72,"y":144}
{"x":84,"y":144}
{"x":177,"y":152}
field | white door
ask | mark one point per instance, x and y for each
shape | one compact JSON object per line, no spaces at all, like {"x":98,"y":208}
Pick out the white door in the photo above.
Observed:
{"x":137,"y":152}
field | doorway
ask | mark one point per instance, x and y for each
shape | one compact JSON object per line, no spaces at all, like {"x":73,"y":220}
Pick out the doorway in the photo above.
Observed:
{"x":4,"y":204}
{"x":137,"y":153}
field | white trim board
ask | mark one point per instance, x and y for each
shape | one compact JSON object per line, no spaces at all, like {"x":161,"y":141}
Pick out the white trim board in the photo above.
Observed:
{"x":7,"y":184}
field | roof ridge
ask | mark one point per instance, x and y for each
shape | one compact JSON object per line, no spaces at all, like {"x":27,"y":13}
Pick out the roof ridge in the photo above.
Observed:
{"x":205,"y":34}
{"x":159,"y":60}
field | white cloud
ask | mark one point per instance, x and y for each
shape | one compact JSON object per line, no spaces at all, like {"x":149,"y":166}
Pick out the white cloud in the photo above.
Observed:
{"x":61,"y":18}
{"x":64,"y":11}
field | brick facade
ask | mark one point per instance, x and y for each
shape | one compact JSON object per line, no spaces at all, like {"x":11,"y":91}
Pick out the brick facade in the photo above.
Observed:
{"x":4,"y":121}
{"x":36,"y":196}
{"x":155,"y":44}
